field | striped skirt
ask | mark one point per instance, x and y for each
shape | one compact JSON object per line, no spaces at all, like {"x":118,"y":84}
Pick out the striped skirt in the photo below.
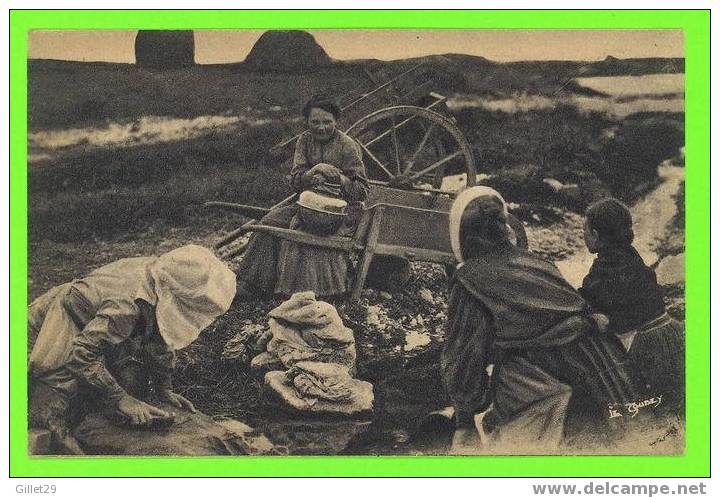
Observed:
{"x":656,"y":351}
{"x":595,"y":367}
{"x":274,"y":266}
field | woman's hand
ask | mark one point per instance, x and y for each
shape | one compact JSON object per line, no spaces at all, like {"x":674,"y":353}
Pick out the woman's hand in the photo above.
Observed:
{"x":176,"y":399}
{"x":138,"y":412}
{"x":328,"y":171}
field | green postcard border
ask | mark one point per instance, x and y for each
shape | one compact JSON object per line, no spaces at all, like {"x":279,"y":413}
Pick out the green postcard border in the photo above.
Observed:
{"x":695,"y":462}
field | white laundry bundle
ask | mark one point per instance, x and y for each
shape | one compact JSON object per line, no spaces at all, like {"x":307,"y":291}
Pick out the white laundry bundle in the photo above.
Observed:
{"x":305,"y":329}
{"x":317,"y":351}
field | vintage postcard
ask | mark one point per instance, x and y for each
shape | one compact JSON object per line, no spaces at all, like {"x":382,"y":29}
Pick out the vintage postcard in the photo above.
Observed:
{"x":339,"y":242}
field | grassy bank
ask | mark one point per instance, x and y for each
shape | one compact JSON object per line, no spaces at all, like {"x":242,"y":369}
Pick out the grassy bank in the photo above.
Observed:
{"x":100,"y":192}
{"x":107,"y":157}
{"x":108,"y":191}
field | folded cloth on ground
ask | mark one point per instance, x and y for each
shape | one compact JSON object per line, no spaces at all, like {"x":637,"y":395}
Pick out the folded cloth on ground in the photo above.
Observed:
{"x":266,"y":361}
{"x":192,"y":434}
{"x":320,"y":380}
{"x":304,"y":389}
{"x":310,"y":339}
{"x":251,"y":340}
{"x":304,"y":329}
{"x":290,"y":346}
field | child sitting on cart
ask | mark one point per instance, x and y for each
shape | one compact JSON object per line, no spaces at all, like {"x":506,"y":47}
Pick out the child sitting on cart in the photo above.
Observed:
{"x":323,"y":154}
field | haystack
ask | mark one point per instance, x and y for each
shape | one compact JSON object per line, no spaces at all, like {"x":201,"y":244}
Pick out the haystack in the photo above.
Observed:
{"x":287,"y":51}
{"x":164,"y":49}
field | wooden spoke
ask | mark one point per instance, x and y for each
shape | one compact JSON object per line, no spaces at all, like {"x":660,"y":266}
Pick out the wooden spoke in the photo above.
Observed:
{"x":411,"y":162}
{"x":413,"y":148}
{"x":435,"y":165}
{"x":396,"y":146}
{"x":376,"y":160}
{"x":387,"y":132}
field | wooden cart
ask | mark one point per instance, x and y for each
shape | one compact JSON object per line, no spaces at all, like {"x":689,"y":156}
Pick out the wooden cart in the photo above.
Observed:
{"x":417,"y":160}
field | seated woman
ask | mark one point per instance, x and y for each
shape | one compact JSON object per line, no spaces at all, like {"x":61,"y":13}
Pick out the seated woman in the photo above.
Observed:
{"x":622,"y":287}
{"x":102,"y":339}
{"x":513,"y":310}
{"x":323,"y":154}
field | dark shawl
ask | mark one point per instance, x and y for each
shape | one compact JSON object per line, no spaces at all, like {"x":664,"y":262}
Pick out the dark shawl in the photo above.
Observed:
{"x":526,"y":296}
{"x":507,"y":299}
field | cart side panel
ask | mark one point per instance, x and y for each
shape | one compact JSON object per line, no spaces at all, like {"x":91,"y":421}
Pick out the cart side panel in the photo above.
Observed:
{"x":422,"y":200}
{"x":415,"y":229}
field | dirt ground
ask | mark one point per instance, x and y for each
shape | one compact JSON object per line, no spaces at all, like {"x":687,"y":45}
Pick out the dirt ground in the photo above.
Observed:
{"x":122,"y":159}
{"x":399,"y":337}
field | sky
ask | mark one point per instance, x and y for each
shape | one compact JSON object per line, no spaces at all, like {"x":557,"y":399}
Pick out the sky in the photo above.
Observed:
{"x":220,"y":46}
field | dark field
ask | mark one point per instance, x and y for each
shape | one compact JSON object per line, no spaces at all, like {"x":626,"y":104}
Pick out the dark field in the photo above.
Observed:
{"x":82,"y":189}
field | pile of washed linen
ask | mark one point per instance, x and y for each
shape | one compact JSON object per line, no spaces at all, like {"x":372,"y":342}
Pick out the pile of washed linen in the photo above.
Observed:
{"x":309,"y":355}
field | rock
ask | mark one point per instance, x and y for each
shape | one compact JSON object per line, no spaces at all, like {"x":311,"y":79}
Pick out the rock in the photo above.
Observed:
{"x":359,"y":405}
{"x":385,"y":295}
{"x":416,"y":338}
{"x":427,"y":296}
{"x":287,"y":51}
{"x":192,"y":434}
{"x":316,"y":437}
{"x":671,"y":270}
{"x":373,"y":318}
{"x":260,"y":444}
{"x":39,"y":442}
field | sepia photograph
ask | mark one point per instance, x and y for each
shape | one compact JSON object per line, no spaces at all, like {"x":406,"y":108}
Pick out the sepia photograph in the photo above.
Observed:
{"x":356,"y":242}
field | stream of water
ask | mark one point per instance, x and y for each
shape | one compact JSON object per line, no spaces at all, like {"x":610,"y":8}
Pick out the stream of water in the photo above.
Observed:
{"x":651,"y":216}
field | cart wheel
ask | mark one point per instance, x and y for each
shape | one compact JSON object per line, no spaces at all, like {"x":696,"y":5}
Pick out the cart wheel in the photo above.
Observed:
{"x":410,"y":147}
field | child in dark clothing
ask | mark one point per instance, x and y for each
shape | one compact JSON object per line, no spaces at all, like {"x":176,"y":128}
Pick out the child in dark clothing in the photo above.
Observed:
{"x":622,"y":287}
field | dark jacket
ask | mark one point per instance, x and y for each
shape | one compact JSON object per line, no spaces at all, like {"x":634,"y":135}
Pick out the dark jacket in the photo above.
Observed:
{"x":622,"y":287}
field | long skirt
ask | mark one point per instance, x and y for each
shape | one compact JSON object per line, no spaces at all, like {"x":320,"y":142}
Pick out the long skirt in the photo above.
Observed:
{"x":594,"y":367}
{"x":272,"y":266}
{"x":529,"y":409}
{"x":657,"y":354}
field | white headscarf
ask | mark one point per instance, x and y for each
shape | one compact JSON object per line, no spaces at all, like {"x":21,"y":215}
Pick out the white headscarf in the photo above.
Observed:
{"x":458,"y":208}
{"x":190,"y":289}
